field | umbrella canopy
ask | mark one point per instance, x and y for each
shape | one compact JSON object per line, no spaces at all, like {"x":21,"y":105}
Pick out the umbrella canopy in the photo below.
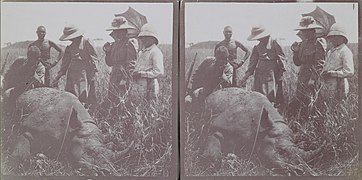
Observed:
{"x":323,"y":19}
{"x":135,"y":19}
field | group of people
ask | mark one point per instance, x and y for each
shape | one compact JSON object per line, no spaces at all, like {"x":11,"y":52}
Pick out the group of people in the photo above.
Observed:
{"x":136,"y":64}
{"x":325,"y":64}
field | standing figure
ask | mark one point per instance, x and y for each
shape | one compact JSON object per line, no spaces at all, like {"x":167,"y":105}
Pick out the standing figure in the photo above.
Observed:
{"x":338,"y":67}
{"x":232,"y":45}
{"x":149,"y":65}
{"x":79,"y":63}
{"x":45,"y":45}
{"x":310,"y":56}
{"x":121,"y":55}
{"x":266,"y":64}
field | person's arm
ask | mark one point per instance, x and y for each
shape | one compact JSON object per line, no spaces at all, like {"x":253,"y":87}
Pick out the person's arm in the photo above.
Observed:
{"x":246,"y":50}
{"x":252,"y":65}
{"x":131,"y":58}
{"x":295,"y":49}
{"x":64,"y":66}
{"x":157,"y":66}
{"x":347,"y":69}
{"x":91,"y":52}
{"x":320,"y":58}
{"x":60,"y":52}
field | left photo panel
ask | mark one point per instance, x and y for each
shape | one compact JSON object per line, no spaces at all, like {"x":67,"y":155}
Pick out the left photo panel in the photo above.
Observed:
{"x":89,"y":89}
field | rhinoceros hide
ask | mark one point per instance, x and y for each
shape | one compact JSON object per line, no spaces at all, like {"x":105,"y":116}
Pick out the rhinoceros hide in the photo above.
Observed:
{"x":244,"y":122}
{"x":55,"y":123}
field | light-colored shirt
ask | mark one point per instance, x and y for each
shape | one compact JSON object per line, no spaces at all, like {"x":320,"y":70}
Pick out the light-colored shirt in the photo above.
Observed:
{"x":339,"y":62}
{"x":150,"y":62}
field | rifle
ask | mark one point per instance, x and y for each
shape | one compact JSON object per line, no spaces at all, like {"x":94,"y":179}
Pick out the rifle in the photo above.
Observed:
{"x":3,"y":66}
{"x":190,"y":71}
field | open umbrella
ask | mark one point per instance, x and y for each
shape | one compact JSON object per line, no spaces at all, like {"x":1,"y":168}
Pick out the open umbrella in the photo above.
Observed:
{"x":323,"y":19}
{"x":135,"y":19}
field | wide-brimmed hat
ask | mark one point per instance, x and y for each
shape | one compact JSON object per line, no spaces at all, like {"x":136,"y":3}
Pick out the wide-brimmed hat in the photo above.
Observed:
{"x":337,"y":30}
{"x":148,"y":30}
{"x":308,"y":22}
{"x":257,"y":33}
{"x":70,"y":32}
{"x":120,"y":23}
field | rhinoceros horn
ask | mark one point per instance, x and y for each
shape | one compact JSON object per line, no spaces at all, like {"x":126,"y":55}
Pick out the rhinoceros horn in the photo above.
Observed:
{"x":121,"y":154}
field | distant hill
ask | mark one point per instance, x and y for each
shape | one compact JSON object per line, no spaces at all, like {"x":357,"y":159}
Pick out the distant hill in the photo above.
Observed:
{"x":204,"y":45}
{"x":22,"y":45}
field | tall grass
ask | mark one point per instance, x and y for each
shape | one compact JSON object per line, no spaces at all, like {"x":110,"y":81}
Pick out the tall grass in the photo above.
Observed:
{"x":337,"y":127}
{"x":148,"y":124}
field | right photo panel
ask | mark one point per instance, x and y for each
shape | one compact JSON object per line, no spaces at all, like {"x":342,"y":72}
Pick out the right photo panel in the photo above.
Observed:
{"x":271,"y":89}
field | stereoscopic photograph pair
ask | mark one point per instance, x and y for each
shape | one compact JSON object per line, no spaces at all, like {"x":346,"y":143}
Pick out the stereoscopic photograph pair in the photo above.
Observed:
{"x":180,"y":90}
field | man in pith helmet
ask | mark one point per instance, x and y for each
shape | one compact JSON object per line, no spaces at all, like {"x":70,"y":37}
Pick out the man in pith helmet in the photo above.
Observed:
{"x":232,"y":45}
{"x":266,"y":64}
{"x":79,"y":64}
{"x":45,"y":46}
{"x":339,"y":65}
{"x":121,"y":55}
{"x":310,"y":56}
{"x":149,"y":66}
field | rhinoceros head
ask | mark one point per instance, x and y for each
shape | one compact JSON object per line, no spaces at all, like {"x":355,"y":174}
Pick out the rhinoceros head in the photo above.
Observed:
{"x":211,"y":151}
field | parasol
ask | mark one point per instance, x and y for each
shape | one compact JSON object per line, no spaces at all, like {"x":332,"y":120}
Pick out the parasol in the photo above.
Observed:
{"x":135,"y":19}
{"x":323,"y":19}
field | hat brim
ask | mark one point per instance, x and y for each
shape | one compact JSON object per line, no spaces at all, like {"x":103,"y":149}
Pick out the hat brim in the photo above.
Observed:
{"x":334,"y":33}
{"x":71,"y":36}
{"x":308,"y":27}
{"x":148,"y":35}
{"x":259,"y":36}
{"x":120,"y":27}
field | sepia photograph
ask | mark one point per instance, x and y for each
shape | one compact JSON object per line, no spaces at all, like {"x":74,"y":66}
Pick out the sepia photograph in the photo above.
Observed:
{"x":88,"y":89}
{"x":270,"y":89}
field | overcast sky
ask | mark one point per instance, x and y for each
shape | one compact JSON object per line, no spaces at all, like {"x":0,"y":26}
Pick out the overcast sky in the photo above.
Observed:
{"x":205,"y":21}
{"x":20,"y":20}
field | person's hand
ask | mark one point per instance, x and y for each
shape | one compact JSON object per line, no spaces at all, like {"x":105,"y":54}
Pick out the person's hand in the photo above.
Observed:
{"x":107,"y":46}
{"x":326,"y":74}
{"x":224,"y":77}
{"x":136,"y":75}
{"x":295,"y":47}
{"x":47,"y":65}
{"x":234,"y":64}
{"x":55,"y":82}
{"x":54,"y":64}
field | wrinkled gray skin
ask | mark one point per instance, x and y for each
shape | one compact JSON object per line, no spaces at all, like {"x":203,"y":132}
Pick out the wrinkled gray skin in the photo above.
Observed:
{"x":45,"y":116}
{"x":235,"y":117}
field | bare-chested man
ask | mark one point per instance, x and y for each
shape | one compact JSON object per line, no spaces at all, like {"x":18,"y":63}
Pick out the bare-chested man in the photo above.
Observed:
{"x":45,"y":45}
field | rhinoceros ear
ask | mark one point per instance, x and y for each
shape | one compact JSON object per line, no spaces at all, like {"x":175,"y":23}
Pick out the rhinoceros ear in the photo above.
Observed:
{"x":265,"y":121}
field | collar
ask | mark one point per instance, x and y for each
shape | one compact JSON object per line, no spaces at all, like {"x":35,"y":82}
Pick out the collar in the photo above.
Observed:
{"x":149,"y":48}
{"x":81,"y":44}
{"x":338,"y":47}
{"x":269,"y":44}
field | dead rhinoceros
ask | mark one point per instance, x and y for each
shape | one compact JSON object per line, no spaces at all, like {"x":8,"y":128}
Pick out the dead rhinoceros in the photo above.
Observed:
{"x":54,"y":122}
{"x":245,"y":122}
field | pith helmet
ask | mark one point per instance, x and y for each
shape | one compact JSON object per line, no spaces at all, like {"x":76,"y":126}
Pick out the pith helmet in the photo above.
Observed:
{"x":70,"y":32}
{"x":308,"y":22}
{"x":337,"y":30}
{"x":148,"y":30}
{"x":257,"y":33}
{"x":120,"y":23}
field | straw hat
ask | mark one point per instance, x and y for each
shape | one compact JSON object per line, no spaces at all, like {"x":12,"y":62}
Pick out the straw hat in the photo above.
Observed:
{"x":120,"y":23}
{"x":70,"y":32}
{"x":337,"y":30}
{"x":257,"y":33}
{"x":148,"y":30}
{"x":308,"y":22}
